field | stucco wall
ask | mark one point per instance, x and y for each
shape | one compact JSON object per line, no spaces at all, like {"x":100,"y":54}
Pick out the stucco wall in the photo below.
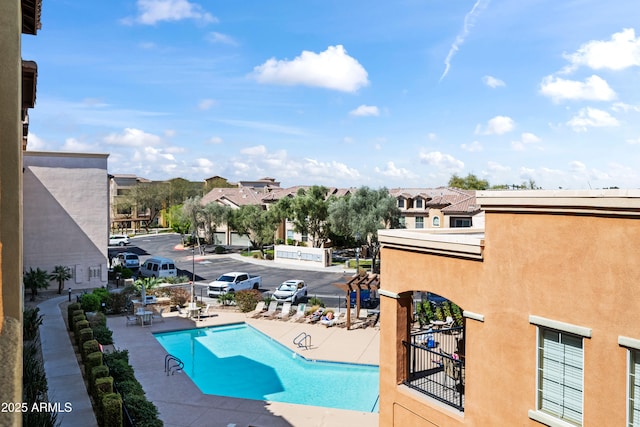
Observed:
{"x":576,"y":269}
{"x":66,"y":215}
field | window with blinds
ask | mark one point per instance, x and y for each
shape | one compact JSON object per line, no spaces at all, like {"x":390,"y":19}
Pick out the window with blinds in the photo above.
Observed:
{"x":634,"y":388}
{"x":560,"y":375}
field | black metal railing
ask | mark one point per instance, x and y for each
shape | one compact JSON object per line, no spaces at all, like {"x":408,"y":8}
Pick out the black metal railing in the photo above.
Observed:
{"x":436,"y":365}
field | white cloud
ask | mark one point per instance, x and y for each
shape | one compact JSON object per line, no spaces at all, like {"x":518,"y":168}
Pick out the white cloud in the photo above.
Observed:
{"x":492,"y":82}
{"x":633,"y":141}
{"x":622,"y":51}
{"x":215,"y":140}
{"x":150,"y":12}
{"x":577,"y":166}
{"x":35,"y":143}
{"x":394,"y":172}
{"x":152,"y":155}
{"x":592,"y":117}
{"x":203,"y":166}
{"x":593,"y":88}
{"x":258,"y":150}
{"x":497,"y":167}
{"x":431,"y":136}
{"x":469,"y":20}
{"x":348,"y":140}
{"x":440,"y":160}
{"x":73,"y":145}
{"x":625,"y":108}
{"x":474,"y":147}
{"x":216,"y":37}
{"x":365,"y":110}
{"x":499,"y":125}
{"x":205,"y":104}
{"x":526,"y":138}
{"x":331,"y":69}
{"x":132,"y":138}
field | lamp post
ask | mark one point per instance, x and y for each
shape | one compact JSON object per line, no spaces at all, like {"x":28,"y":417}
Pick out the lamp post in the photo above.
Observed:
{"x":193,"y":269}
{"x":357,"y":253}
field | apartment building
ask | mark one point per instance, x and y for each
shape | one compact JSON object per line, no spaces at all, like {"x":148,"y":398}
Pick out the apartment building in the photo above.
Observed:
{"x":551,"y":307}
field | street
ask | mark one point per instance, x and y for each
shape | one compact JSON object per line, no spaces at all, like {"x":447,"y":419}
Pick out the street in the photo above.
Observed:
{"x":207,"y":269}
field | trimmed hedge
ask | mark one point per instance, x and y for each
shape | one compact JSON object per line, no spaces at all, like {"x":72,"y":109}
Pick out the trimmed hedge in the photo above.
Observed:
{"x":111,"y":410}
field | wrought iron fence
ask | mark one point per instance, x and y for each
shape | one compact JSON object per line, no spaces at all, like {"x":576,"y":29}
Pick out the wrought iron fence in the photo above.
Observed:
{"x":436,"y":365}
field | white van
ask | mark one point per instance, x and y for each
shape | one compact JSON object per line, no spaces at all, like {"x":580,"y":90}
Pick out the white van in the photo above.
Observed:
{"x":158,"y":267}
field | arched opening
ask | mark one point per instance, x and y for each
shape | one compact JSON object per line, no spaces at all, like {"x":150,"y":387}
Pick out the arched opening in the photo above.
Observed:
{"x":435,"y":349}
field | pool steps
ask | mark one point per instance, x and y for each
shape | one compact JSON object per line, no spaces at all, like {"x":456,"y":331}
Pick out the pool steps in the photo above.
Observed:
{"x":172,"y":364}
{"x":303,"y":340}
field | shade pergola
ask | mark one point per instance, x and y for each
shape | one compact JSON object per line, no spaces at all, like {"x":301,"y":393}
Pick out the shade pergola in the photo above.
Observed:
{"x":357,"y":283}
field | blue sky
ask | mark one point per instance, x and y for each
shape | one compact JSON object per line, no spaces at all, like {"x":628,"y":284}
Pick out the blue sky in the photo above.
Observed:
{"x":345,"y":93}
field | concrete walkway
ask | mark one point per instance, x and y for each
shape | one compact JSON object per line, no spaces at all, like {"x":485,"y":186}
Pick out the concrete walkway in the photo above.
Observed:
{"x":64,"y":379}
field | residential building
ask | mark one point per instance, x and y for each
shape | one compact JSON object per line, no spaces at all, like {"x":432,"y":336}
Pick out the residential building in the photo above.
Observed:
{"x":66,"y":220}
{"x":123,"y":214}
{"x":551,"y":307}
{"x":17,"y":95}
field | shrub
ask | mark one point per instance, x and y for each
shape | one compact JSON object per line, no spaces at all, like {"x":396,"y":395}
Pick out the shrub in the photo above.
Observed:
{"x":269,"y":256}
{"x":84,"y":335}
{"x":32,"y":319}
{"x":227,"y":298}
{"x":94,"y":359}
{"x":90,"y":302}
{"x":219,"y":250}
{"x":97,"y":319}
{"x":111,"y":410}
{"x":103,"y":334}
{"x":78,"y":326}
{"x":88,"y":347}
{"x":117,"y":302}
{"x":103,"y":385}
{"x":73,"y":314}
{"x":256,"y":255}
{"x":179,"y":296}
{"x":315,"y":301}
{"x":142,"y":412}
{"x":246,"y":300}
{"x":130,"y":387}
{"x":71,"y":308}
{"x":96,"y":373}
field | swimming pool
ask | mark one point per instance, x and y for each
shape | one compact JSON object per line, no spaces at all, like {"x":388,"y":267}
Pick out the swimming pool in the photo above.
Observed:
{"x":240,"y":361}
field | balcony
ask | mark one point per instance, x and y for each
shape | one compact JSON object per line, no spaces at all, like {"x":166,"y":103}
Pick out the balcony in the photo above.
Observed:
{"x":436,"y":368}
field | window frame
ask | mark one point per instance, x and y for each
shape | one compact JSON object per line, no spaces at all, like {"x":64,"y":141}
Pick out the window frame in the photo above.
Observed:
{"x":546,"y":416}
{"x":421,"y":222}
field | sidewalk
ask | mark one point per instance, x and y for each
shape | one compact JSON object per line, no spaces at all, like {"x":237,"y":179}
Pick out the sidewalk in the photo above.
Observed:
{"x":64,"y":378}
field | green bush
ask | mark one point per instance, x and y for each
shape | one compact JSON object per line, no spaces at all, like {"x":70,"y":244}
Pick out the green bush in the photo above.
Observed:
{"x":94,"y":359}
{"x":32,"y":319}
{"x":268,"y":256}
{"x":71,"y":308}
{"x":96,"y":373}
{"x":247,"y":300}
{"x":117,"y":302}
{"x":142,"y":412}
{"x":130,"y":387}
{"x":77,"y":327}
{"x":219,"y":250}
{"x":97,"y":319}
{"x":84,"y":335}
{"x":119,"y":368}
{"x":90,"y":302}
{"x":103,"y":385}
{"x":72,"y":315}
{"x":111,"y":410}
{"x":90,"y":346}
{"x":315,"y":301}
{"x":103,"y":334}
{"x":227,"y":298}
{"x":77,"y":318}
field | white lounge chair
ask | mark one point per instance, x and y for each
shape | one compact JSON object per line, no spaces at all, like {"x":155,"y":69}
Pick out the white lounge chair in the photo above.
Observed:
{"x":257,"y":312}
{"x":181,"y":312}
{"x":158,"y":315}
{"x":272,"y":310}
{"x":285,"y":312}
{"x":299,"y":315}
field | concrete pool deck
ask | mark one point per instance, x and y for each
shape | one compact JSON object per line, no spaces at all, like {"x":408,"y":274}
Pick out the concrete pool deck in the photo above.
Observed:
{"x":181,"y":404}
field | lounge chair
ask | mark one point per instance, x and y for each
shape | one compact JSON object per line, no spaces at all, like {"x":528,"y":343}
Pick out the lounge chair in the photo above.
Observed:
{"x":272,"y":310}
{"x":285,"y":312}
{"x":205,"y":312}
{"x":158,"y":315}
{"x":257,"y":311}
{"x":181,"y":312}
{"x":299,"y":316}
{"x":131,"y":320}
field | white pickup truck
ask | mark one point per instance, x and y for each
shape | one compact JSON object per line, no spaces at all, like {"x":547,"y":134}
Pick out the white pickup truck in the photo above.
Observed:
{"x":233,"y":282}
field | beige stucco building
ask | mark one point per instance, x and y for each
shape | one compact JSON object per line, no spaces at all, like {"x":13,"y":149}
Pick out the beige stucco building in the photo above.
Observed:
{"x":66,"y":215}
{"x":551,"y":307}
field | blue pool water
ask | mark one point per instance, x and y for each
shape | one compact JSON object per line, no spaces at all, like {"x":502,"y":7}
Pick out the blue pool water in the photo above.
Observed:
{"x":239,"y":361}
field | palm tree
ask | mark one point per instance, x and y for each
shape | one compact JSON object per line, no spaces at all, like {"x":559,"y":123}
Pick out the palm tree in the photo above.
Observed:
{"x":60,"y":274}
{"x":34,"y":280}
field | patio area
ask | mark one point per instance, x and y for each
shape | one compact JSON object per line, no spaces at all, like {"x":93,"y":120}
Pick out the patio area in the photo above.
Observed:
{"x":180,"y":402}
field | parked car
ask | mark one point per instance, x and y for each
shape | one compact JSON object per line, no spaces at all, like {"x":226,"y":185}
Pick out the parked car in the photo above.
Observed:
{"x":126,"y":259}
{"x":158,"y":267}
{"x":291,"y":290}
{"x":233,"y":282}
{"x":118,"y":240}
